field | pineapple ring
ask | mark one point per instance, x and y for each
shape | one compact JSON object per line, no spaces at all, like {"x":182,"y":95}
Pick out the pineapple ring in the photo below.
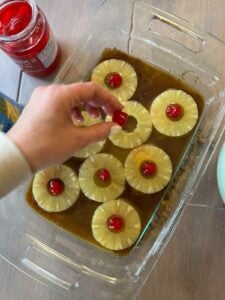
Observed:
{"x":129,"y":78}
{"x":63,"y":201}
{"x":142,"y":131}
{"x":87,"y":173}
{"x":152,"y":184}
{"x":167,"y":126}
{"x":90,"y":149}
{"x":121,"y":239}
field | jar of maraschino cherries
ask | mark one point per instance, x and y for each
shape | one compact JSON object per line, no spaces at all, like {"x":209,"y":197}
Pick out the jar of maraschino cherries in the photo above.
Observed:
{"x":26,"y":37}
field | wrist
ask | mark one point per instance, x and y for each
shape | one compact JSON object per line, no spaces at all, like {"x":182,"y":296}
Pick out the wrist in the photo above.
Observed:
{"x":23,"y":148}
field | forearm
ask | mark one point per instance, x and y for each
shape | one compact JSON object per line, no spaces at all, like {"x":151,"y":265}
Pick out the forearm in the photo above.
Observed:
{"x":14,"y":168}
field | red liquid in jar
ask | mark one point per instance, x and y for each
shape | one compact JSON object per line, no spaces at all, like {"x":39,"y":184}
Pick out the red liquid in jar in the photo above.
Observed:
{"x":14,"y":18}
{"x":28,"y":39}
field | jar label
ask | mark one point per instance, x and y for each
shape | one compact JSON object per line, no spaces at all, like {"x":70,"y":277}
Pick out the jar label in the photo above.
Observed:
{"x":48,"y":54}
{"x":42,"y":60}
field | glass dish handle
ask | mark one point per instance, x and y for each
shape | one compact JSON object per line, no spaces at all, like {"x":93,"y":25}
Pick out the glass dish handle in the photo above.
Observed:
{"x":48,"y":266}
{"x":152,"y":23}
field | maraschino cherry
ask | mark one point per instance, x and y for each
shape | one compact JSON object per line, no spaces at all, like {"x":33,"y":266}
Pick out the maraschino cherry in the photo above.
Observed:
{"x":14,"y":18}
{"x":104,"y":175}
{"x":120,"y":117}
{"x":174,"y":111}
{"x":148,"y":168}
{"x":56,"y":186}
{"x":113,"y":80}
{"x":115,"y":223}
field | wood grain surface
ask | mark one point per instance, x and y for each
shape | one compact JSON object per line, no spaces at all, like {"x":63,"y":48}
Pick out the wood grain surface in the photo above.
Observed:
{"x":193,"y":265}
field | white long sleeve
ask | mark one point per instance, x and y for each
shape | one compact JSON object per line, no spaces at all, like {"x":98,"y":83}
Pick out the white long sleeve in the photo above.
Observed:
{"x":14,"y":168}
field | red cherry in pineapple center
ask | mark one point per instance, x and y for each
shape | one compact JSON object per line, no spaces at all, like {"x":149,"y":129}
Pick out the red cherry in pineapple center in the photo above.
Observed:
{"x":174,"y":111}
{"x":120,"y":117}
{"x":56,"y":186}
{"x":115,"y":223}
{"x":14,"y":17}
{"x":148,"y":168}
{"x":104,"y":175}
{"x":113,"y":80}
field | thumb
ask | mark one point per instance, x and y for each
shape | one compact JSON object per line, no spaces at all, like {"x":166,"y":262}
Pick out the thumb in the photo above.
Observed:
{"x":98,"y":132}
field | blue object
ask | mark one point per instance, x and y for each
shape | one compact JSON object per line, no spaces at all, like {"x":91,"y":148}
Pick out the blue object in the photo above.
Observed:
{"x":9,"y":112}
{"x":221,"y":172}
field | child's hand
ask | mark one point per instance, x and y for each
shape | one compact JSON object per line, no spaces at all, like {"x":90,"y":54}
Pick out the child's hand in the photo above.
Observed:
{"x":45,"y":132}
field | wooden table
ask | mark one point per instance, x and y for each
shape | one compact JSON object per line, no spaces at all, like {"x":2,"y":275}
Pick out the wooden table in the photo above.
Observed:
{"x":193,"y":264}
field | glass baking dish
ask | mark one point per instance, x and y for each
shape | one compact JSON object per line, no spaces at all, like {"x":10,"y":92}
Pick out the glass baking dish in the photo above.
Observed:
{"x":56,"y":258}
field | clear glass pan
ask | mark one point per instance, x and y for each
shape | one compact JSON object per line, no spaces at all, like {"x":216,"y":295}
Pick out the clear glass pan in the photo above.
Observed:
{"x":61,"y":261}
